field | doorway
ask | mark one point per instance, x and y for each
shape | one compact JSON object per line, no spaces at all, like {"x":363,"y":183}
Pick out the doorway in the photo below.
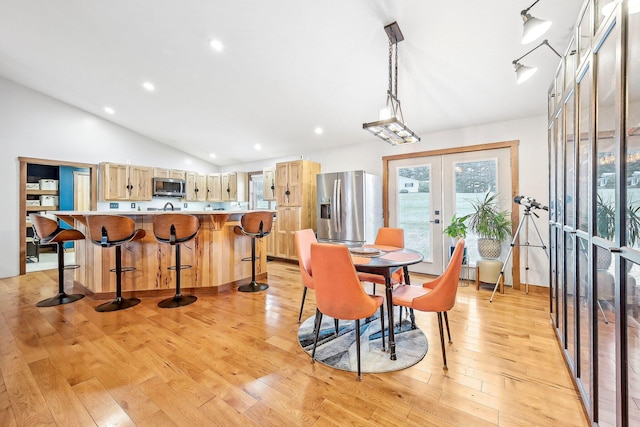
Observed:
{"x":424,"y":190}
{"x":90,"y":170}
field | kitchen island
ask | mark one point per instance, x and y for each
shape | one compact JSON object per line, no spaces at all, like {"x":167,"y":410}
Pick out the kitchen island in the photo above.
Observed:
{"x":215,"y":255}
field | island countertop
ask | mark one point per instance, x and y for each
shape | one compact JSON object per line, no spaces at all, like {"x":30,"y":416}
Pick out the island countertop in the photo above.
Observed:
{"x":215,"y":255}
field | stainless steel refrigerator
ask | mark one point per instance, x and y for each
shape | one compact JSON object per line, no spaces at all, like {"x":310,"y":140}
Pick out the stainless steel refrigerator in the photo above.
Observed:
{"x":349,"y":207}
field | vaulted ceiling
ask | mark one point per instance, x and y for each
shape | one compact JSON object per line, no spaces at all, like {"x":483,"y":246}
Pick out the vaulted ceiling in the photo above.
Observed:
{"x":286,"y":67}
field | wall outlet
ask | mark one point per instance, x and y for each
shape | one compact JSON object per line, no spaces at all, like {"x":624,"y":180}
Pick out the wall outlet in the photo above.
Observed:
{"x":185,"y":205}
{"x":114,"y":205}
{"x":133,"y":205}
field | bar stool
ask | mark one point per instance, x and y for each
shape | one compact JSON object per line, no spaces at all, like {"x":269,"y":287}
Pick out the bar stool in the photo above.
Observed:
{"x":48,"y":231}
{"x":175,"y":229}
{"x":114,"y":230}
{"x":255,"y":225}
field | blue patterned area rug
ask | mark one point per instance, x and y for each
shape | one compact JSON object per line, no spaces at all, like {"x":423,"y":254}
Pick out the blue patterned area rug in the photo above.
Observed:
{"x":340,"y":351}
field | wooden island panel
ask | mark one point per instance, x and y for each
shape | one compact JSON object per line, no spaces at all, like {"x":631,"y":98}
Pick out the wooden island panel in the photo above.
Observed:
{"x":215,"y":256}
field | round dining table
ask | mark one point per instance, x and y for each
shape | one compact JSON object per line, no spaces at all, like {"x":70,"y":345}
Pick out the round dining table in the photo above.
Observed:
{"x":384,"y":261}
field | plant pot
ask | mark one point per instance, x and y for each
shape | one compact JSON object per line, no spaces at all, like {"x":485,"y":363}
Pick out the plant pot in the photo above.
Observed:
{"x":489,"y":248}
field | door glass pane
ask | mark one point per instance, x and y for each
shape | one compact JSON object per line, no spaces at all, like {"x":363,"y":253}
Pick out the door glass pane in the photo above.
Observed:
{"x":570,"y":65}
{"x":554,"y":279}
{"x":584,"y":316}
{"x":584,"y":150}
{"x":552,"y":173}
{"x":256,"y":193}
{"x":414,"y":208}
{"x":472,"y":181}
{"x":584,"y":34}
{"x":559,"y":170}
{"x":633,"y":341}
{"x":571,"y":299}
{"x":602,"y":10}
{"x":604,"y":284}
{"x":560,"y":276}
{"x":633,"y":131}
{"x":570,"y":173}
{"x":605,"y":139}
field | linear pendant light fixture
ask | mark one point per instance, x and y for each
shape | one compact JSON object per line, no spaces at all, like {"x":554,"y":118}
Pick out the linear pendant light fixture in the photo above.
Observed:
{"x":523,"y":72}
{"x":391,"y":126}
{"x":532,"y":28}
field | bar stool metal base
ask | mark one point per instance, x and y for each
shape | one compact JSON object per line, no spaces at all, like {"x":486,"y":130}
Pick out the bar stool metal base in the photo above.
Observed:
{"x":177,"y":301}
{"x":117,"y":304}
{"x":61,"y":298}
{"x":253,"y":287}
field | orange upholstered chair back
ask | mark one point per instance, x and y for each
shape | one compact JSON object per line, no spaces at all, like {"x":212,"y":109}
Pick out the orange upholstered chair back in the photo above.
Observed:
{"x":390,"y":237}
{"x":338,"y":290}
{"x":304,"y":239}
{"x":443,"y":295}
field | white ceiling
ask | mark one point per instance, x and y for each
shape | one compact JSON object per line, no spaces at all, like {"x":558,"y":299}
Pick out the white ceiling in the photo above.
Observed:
{"x":287,"y":67}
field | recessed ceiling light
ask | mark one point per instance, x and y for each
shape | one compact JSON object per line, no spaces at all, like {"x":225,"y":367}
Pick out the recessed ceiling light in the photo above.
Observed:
{"x":216,"y":45}
{"x":318,"y":131}
{"x":257,"y":147}
{"x":109,"y":110}
{"x":212,"y":155}
{"x":149,"y":86}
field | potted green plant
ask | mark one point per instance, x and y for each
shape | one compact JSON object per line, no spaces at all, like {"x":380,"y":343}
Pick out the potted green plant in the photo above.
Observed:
{"x":457,"y":229}
{"x":606,"y":228}
{"x":490,"y":224}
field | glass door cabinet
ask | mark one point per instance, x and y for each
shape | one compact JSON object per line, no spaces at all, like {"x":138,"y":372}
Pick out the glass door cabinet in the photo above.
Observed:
{"x":594,"y":217}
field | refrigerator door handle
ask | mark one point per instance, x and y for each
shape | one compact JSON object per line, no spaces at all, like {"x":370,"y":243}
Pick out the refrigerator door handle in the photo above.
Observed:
{"x":336,"y":206}
{"x":339,"y":205}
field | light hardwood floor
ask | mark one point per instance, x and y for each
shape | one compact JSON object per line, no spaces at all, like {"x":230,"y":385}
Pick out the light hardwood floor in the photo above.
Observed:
{"x":233,"y":359}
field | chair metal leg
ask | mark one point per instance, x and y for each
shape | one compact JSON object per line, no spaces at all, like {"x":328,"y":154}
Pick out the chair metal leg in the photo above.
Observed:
{"x":315,"y":341}
{"x":335,"y":323}
{"x":304,"y":295}
{"x":446,"y":322}
{"x":253,"y":286}
{"x":178,"y":299}
{"x":118,"y":303}
{"x":604,"y":316}
{"x":444,"y":351}
{"x":358,"y":348}
{"x":382,"y":325}
{"x":62,"y":297}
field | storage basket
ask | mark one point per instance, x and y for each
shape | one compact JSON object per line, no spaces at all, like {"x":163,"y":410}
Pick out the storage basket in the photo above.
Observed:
{"x":33,"y":185}
{"x":49,"y":200}
{"x":49,"y":184}
{"x":33,"y":202}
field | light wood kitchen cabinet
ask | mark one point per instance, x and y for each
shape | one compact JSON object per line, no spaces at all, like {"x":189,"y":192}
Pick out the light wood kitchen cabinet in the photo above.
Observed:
{"x":125,"y":182}
{"x":272,"y":239}
{"x":196,"y":187}
{"x":269,"y":183}
{"x":234,"y":187}
{"x":168,"y":173}
{"x":296,"y":191}
{"x":214,"y":187}
{"x":289,"y":221}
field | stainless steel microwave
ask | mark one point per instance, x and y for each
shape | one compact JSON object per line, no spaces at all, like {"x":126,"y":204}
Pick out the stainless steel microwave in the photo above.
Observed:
{"x":169,"y":187}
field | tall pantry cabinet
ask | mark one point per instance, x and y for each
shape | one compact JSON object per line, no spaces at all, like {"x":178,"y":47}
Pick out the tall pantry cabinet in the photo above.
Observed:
{"x":296,"y":203}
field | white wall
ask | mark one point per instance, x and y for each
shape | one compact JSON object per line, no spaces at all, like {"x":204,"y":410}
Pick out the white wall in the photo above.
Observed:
{"x":35,"y":125}
{"x":533,"y":162}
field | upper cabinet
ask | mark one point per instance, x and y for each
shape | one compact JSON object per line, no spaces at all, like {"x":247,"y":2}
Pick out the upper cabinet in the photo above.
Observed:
{"x":269,"y":183}
{"x":234,"y":187}
{"x":196,"y":187}
{"x":296,"y":182}
{"x":214,"y":187}
{"x":168,"y":173}
{"x":125,"y":182}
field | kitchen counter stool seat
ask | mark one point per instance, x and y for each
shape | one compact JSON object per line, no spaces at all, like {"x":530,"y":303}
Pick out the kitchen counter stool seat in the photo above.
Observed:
{"x":256,"y":225}
{"x":114,"y":231}
{"x":176,"y":229}
{"x":49,"y":232}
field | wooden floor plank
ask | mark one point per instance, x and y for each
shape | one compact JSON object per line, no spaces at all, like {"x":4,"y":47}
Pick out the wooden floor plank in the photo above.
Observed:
{"x":233,"y":359}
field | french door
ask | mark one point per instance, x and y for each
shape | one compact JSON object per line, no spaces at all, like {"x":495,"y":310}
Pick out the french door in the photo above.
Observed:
{"x":426,"y":190}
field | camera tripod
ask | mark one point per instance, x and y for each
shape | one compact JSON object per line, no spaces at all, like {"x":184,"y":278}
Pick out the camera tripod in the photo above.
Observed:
{"x":524,"y":220}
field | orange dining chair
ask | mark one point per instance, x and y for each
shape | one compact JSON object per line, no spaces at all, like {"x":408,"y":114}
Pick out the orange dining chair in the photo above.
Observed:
{"x":339,"y":293}
{"x":304,"y":239}
{"x":387,"y":239}
{"x":437,"y":296}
